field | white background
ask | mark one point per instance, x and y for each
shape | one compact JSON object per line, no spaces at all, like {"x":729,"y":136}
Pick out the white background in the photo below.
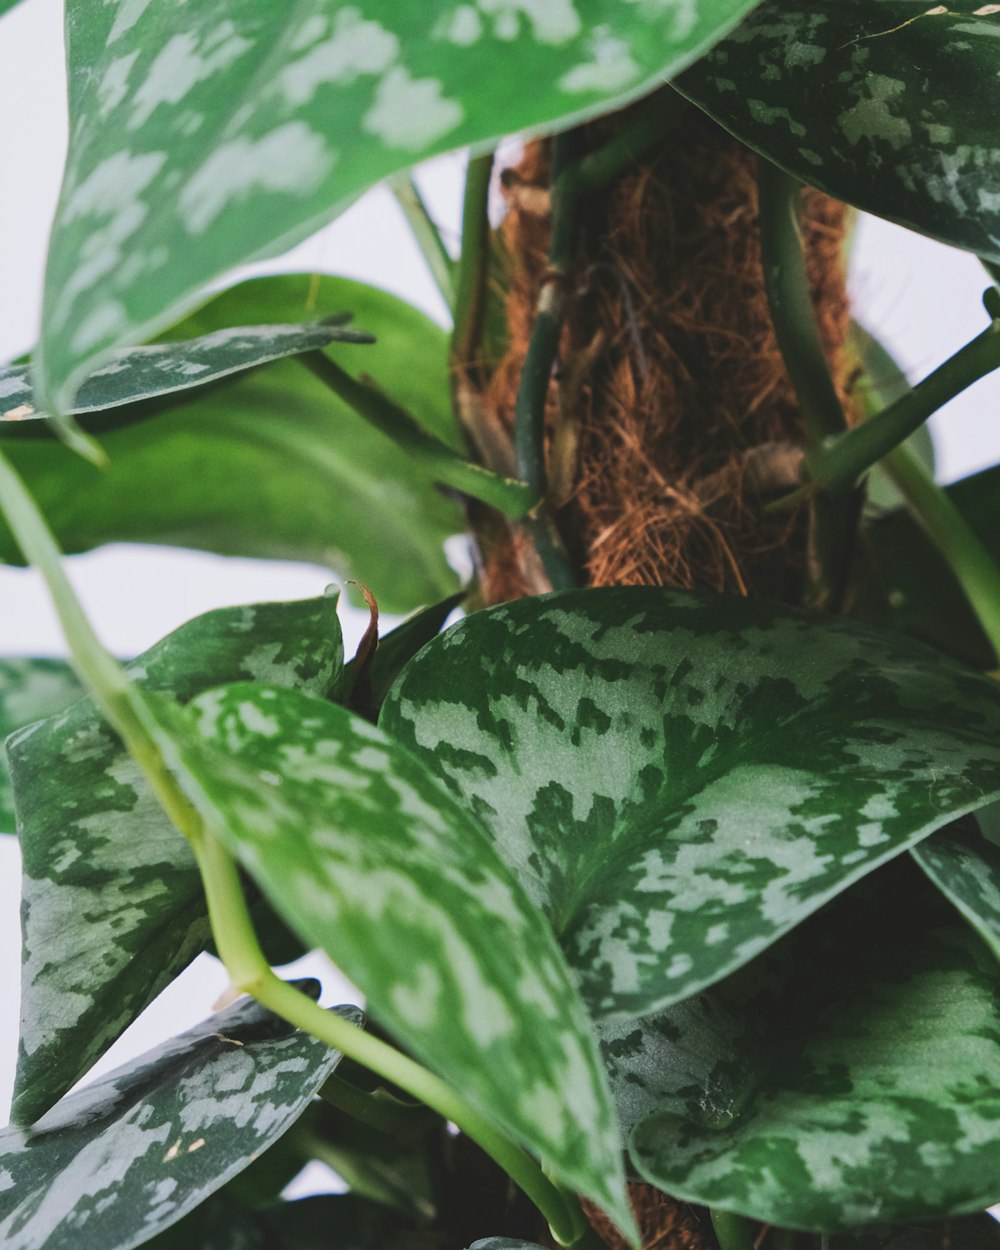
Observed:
{"x":921,"y":298}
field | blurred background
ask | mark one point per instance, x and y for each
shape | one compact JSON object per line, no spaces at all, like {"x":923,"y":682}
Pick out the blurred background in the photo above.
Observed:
{"x":922,"y":299}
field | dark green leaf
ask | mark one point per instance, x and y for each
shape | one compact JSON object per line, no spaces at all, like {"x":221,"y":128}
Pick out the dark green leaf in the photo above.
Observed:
{"x":963,"y":861}
{"x":851,"y":1077}
{"x":164,"y":369}
{"x":503,"y":1243}
{"x":367,"y":856}
{"x":201,"y":138}
{"x":29,"y":690}
{"x":271,"y":464}
{"x":970,"y":1232}
{"x":678,"y":779}
{"x":112,"y":1165}
{"x":112,"y":907}
{"x":887,"y":104}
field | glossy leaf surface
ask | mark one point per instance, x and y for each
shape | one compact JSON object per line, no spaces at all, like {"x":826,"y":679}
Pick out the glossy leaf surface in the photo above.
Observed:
{"x":887,"y":104}
{"x":848,"y":1078}
{"x":164,"y":369}
{"x":271,"y":464}
{"x":115,"y":1163}
{"x":678,"y":779}
{"x":112,"y":906}
{"x":29,"y":690}
{"x":367,"y":856}
{"x":204,"y":138}
{"x":963,"y":861}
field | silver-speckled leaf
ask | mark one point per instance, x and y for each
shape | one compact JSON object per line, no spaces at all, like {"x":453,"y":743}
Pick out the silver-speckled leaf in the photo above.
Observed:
{"x":850,"y":1077}
{"x":112,"y":1165}
{"x":112,"y":907}
{"x":367,"y":856}
{"x":678,"y":779}
{"x":963,"y":861}
{"x":205,"y":136}
{"x":887,"y":104}
{"x":29,"y":690}
{"x":150,"y":372}
{"x":504,"y":1243}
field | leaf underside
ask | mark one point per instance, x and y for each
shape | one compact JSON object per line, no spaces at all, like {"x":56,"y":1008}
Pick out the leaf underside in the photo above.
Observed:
{"x":112,"y":907}
{"x":678,"y":778}
{"x":160,"y":1134}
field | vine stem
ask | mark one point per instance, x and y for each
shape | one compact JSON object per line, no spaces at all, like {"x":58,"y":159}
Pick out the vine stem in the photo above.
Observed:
{"x":732,"y":1231}
{"x":127,"y":709}
{"x":426,"y":235}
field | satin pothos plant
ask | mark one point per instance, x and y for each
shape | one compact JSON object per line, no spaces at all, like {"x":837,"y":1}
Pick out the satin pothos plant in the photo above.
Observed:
{"x":639,"y":884}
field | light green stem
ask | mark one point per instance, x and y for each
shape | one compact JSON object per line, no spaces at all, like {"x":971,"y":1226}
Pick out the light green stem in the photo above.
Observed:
{"x":427,"y":236}
{"x":473,"y":264}
{"x":378,"y":1110}
{"x":732,"y":1231}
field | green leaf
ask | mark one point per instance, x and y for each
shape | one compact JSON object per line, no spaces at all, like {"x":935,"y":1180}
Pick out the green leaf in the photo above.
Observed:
{"x":963,"y":861}
{"x":849,"y":1078}
{"x":271,"y":464}
{"x":204,"y":138}
{"x":677,"y":779}
{"x":367,"y":856}
{"x":29,"y":690}
{"x":112,"y":907}
{"x":504,"y":1243}
{"x":112,"y":1165}
{"x":164,"y":369}
{"x":887,"y":104}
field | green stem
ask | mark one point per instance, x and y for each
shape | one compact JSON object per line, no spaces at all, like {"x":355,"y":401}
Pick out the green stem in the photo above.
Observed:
{"x":378,"y":1110}
{"x":839,"y":464}
{"x":512,"y":498}
{"x":970,"y":561}
{"x":790,"y":299}
{"x":473,"y":264}
{"x":732,"y":1231}
{"x":240,"y":952}
{"x":427,"y":236}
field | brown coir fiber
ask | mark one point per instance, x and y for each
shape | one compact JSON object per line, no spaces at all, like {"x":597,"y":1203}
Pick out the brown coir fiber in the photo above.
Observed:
{"x":663,"y":1223}
{"x":674,"y":406}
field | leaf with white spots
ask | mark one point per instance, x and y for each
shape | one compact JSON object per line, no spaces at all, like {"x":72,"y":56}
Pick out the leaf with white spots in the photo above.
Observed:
{"x":141,"y":373}
{"x":367,"y":856}
{"x":678,"y":779}
{"x":111,"y":1166}
{"x":269,"y":464}
{"x":29,"y":690}
{"x":888,"y":104}
{"x":112,"y":907}
{"x":963,"y":861}
{"x":205,"y":136}
{"x":850,"y":1077}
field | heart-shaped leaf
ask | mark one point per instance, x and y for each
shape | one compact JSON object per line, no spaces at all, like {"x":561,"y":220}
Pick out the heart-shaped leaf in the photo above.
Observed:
{"x":963,"y":861}
{"x":112,"y":906}
{"x":164,"y":369}
{"x":678,"y":779}
{"x":204,"y":137}
{"x":112,"y":1165}
{"x":29,"y":690}
{"x":271,"y":464}
{"x":851,"y":1077}
{"x":887,"y":104}
{"x":367,"y":856}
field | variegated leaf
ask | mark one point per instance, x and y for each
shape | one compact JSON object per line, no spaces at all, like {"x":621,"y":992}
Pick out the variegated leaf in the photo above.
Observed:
{"x":887,"y":104}
{"x":112,"y":907}
{"x":678,"y":779}
{"x":202,"y":137}
{"x":850,"y":1077}
{"x":29,"y":690}
{"x":366,"y":855}
{"x":504,"y":1243}
{"x":112,"y":1165}
{"x":963,"y":861}
{"x":166,"y":368}
{"x":270,"y":464}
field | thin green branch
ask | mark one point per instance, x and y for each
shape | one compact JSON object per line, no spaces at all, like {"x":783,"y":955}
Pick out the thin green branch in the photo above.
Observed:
{"x":839,"y":464}
{"x":473,"y":264}
{"x":511,"y":497}
{"x":426,"y":235}
{"x":732,"y":1231}
{"x":789,"y":297}
{"x":377,"y":1109}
